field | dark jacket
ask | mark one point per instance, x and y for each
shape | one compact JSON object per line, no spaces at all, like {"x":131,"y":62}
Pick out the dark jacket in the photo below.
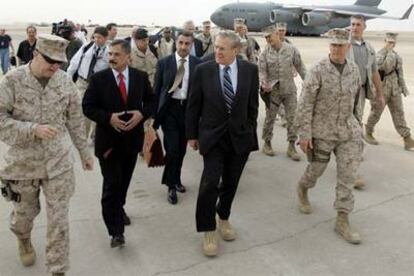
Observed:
{"x":207,"y":117}
{"x":102,"y":98}
{"x":164,"y":80}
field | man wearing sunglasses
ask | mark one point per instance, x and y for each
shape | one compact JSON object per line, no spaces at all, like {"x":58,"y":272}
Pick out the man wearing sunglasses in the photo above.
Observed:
{"x":40,"y":120}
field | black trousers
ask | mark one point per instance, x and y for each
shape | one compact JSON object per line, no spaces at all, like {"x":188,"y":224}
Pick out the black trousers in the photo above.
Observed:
{"x":221,"y":162}
{"x":175,"y":142}
{"x":117,"y":170}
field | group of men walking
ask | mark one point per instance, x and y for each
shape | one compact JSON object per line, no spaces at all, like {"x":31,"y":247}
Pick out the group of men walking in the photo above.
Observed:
{"x":199,"y":95}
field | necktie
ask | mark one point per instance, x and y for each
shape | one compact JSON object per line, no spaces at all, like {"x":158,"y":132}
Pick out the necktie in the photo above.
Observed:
{"x":178,"y":77}
{"x":228,"y":91}
{"x":93,"y":63}
{"x":122,"y":88}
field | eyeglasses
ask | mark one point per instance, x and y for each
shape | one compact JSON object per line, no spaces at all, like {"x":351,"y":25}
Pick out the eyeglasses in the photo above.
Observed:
{"x":50,"y":61}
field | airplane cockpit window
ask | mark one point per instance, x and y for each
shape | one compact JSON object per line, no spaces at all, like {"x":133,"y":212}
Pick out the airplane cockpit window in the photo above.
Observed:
{"x":226,"y":9}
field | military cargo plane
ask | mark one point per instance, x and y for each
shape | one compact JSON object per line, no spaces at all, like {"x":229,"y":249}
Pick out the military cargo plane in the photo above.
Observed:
{"x":302,"y":20}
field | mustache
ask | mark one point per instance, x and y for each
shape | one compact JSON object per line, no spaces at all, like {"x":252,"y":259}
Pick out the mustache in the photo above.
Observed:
{"x":112,"y":62}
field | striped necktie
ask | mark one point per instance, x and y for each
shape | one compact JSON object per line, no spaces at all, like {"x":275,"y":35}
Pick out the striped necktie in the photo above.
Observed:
{"x":228,"y":91}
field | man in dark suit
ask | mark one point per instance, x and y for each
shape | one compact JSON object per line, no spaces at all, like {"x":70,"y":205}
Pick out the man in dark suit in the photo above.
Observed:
{"x":118,"y":99}
{"x":171,"y":85}
{"x":197,"y":46}
{"x":221,"y":122}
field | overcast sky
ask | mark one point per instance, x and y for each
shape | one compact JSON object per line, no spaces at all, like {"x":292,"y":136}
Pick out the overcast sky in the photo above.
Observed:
{"x":172,"y":12}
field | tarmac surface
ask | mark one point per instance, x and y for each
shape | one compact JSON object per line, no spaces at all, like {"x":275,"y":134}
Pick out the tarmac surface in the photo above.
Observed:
{"x":273,"y":237}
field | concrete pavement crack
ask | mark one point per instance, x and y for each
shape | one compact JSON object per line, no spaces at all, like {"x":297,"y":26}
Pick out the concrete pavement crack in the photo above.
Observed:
{"x":288,"y":237}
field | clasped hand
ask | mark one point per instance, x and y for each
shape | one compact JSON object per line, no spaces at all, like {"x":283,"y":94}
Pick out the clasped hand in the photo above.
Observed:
{"x":120,"y":125}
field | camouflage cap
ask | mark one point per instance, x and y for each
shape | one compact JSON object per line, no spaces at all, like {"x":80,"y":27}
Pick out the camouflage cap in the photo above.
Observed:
{"x":239,"y":20}
{"x":167,"y":30}
{"x":391,"y":37}
{"x":338,"y":36}
{"x":281,"y":25}
{"x":268,"y":30}
{"x":52,"y":46}
{"x":207,"y":23}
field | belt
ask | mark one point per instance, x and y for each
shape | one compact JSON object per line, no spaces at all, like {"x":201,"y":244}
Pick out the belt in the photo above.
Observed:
{"x":178,"y":101}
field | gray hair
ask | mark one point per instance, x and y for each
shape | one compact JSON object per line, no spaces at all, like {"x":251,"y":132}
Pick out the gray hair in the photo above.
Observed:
{"x":188,"y":22}
{"x":232,"y":36}
{"x":359,"y":17}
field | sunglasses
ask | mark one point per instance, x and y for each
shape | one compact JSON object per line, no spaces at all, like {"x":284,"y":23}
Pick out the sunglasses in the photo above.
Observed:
{"x":50,"y":61}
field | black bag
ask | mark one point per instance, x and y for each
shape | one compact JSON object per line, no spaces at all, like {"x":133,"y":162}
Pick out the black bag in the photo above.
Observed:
{"x":13,"y":61}
{"x":86,"y":48}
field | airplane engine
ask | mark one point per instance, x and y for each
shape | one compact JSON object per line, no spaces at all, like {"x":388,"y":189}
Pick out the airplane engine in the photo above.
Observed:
{"x":315,"y":19}
{"x":282,"y":16}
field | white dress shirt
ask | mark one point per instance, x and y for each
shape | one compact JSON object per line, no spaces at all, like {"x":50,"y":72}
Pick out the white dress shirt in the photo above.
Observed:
{"x":181,"y":93}
{"x":126,"y":78}
{"x":102,"y":61}
{"x":233,"y":74}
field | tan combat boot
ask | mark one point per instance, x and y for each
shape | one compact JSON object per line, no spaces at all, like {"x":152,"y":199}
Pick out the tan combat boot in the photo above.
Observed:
{"x":26,"y":252}
{"x":210,"y":244}
{"x":369,"y":137}
{"x":292,"y":153}
{"x":359,"y":183}
{"x":226,"y":230}
{"x":342,"y":228}
{"x":408,"y":143}
{"x":304,"y":204}
{"x":267,"y":149}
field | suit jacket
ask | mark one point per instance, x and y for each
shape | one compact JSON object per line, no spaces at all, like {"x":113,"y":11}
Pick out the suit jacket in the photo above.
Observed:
{"x":102,"y":98}
{"x":198,"y":47}
{"x":207,"y":117}
{"x":164,"y":80}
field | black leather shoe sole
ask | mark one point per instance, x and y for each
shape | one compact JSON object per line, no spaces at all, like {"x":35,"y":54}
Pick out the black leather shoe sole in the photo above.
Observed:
{"x":180,"y":188}
{"x":172,"y":197}
{"x":117,"y":241}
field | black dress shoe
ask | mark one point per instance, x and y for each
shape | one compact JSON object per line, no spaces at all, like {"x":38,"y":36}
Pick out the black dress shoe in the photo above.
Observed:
{"x":180,"y":188}
{"x":117,"y":241}
{"x":172,"y":196}
{"x":127,"y":220}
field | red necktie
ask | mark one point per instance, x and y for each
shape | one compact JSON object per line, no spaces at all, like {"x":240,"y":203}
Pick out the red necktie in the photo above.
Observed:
{"x":122,"y":88}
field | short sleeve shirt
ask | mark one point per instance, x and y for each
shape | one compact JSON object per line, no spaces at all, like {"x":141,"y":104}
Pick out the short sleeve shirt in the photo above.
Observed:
{"x":25,"y":51}
{"x":5,"y":41}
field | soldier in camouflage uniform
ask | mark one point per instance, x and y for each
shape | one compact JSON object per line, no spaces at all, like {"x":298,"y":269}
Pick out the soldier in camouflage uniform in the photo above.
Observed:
{"x":247,"y":50}
{"x":207,"y":39}
{"x":276,"y":77}
{"x":327,"y":123}
{"x":142,"y":57}
{"x":390,"y":64}
{"x":165,"y":44}
{"x":281,"y":28}
{"x":40,"y":116}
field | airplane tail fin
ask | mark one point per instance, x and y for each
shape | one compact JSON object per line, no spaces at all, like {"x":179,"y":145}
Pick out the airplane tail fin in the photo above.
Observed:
{"x":368,"y":3}
{"x":407,"y":13}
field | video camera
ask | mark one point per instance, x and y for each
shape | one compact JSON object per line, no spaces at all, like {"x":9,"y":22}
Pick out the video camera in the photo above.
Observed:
{"x":62,"y":29}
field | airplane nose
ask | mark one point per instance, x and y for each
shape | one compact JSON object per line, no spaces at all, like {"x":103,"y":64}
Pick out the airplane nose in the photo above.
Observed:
{"x":214,"y":17}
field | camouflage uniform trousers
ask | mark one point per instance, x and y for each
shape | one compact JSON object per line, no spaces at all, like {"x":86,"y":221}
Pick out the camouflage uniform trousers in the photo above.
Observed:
{"x":57,"y":192}
{"x":89,"y":125}
{"x":347,"y":162}
{"x":395,"y":105}
{"x":289,"y":101}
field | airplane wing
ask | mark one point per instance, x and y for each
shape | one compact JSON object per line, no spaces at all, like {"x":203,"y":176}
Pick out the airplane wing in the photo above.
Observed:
{"x":406,"y":15}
